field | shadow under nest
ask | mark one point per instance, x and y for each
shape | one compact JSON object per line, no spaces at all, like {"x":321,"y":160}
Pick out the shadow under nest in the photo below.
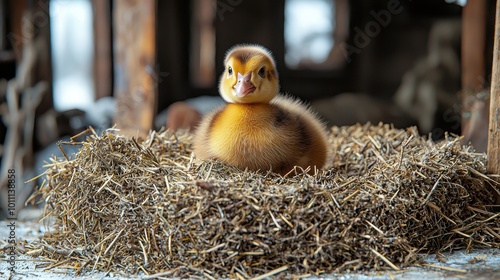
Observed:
{"x":145,"y":206}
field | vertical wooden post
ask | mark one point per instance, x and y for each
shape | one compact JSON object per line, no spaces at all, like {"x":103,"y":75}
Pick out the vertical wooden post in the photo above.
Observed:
{"x":474,"y":110}
{"x":136,"y":75}
{"x":473,"y":46}
{"x":203,"y":44}
{"x":494,"y":124}
{"x":102,"y":48}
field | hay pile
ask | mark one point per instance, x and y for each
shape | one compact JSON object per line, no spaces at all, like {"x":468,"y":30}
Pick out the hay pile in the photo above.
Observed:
{"x":387,"y":195}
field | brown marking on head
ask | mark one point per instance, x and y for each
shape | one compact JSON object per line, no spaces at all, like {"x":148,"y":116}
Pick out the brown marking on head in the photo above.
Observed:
{"x":243,"y":55}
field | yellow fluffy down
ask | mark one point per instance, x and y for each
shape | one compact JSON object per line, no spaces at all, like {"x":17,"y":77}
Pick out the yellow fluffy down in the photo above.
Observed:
{"x":277,"y":136}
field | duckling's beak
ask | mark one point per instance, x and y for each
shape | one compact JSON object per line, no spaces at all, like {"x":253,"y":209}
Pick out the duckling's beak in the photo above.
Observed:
{"x":244,"y":85}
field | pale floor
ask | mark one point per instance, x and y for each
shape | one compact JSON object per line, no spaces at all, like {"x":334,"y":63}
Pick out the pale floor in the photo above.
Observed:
{"x":479,"y":264}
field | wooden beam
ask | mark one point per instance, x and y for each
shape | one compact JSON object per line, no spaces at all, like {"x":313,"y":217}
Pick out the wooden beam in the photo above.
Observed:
{"x":136,"y":75}
{"x":43,"y":47}
{"x":474,"y":107}
{"x":102,"y":48}
{"x":473,"y":45}
{"x":202,"y":53}
{"x":494,"y":123}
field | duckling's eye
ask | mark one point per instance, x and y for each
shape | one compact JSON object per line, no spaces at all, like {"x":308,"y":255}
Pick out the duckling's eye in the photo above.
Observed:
{"x":230,"y":70}
{"x":262,"y":71}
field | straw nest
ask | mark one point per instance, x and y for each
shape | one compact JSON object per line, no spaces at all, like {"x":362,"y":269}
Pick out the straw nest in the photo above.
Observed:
{"x":146,"y":207}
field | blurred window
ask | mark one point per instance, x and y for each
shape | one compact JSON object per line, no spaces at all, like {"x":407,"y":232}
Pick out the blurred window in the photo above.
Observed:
{"x":309,"y":28}
{"x":72,"y":53}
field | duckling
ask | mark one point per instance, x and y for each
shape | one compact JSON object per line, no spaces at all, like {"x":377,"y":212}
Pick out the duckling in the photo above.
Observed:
{"x":259,"y":129}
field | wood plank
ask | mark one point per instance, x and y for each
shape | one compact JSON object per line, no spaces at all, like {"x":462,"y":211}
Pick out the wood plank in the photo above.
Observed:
{"x":135,"y":72}
{"x":102,"y":48}
{"x":474,"y":110}
{"x":473,"y":46}
{"x":202,"y":53}
{"x":494,"y":123}
{"x":41,"y":18}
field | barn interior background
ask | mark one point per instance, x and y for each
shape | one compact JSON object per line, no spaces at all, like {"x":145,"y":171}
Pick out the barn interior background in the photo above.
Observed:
{"x":66,"y":65}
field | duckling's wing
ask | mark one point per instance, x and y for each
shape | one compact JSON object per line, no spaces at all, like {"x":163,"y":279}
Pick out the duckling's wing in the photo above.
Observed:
{"x":301,"y":109}
{"x":312,"y":128}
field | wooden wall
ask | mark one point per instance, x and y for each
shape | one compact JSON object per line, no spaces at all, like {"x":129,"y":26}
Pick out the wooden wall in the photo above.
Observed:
{"x":377,"y":70}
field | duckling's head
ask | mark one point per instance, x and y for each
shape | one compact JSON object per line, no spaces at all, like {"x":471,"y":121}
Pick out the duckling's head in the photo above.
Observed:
{"x":249,"y":76}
